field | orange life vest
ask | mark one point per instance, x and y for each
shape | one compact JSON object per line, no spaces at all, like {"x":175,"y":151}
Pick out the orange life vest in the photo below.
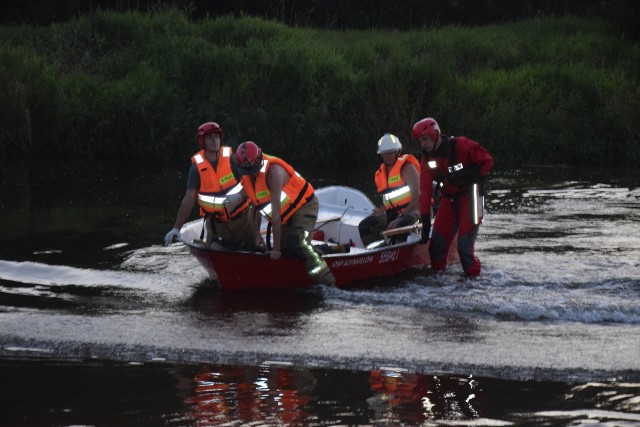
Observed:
{"x":216,"y":184}
{"x":395,"y":193}
{"x":295,"y":192}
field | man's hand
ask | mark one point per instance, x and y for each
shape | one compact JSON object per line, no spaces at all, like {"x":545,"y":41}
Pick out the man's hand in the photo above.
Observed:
{"x":379,"y":210}
{"x":275,"y":254}
{"x":393,"y":224}
{"x":172,"y":235}
{"x":426,"y":228}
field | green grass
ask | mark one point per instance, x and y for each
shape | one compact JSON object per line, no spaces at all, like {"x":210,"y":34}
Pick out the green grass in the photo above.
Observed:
{"x":545,"y":91}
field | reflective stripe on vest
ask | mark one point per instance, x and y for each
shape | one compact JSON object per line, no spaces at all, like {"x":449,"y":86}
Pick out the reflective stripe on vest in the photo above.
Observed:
{"x":398,"y":198}
{"x":395,"y":193}
{"x":295,"y":192}
{"x":215,"y":204}
{"x":216,"y":184}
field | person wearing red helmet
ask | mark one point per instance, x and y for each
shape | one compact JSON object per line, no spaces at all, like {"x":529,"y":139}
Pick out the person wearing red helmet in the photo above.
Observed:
{"x":459,"y":165}
{"x":214,"y":183}
{"x":288,"y":202}
{"x":398,"y":184}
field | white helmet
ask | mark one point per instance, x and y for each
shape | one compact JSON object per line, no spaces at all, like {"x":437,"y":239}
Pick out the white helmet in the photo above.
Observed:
{"x":389,"y":143}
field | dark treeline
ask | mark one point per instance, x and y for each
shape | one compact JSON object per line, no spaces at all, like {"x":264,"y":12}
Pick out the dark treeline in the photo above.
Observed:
{"x":115,"y":85}
{"x":340,"y":14}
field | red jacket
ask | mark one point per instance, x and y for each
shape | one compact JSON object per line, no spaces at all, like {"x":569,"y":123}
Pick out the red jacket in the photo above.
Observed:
{"x":440,"y":164}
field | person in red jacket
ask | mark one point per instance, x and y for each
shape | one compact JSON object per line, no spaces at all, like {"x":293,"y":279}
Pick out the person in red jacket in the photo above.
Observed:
{"x":459,"y":166}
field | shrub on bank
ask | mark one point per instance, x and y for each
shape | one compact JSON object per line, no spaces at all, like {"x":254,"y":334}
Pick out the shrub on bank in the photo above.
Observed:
{"x":113,"y":85}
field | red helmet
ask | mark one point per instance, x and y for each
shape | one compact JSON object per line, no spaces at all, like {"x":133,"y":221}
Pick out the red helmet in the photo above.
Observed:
{"x":207,"y":129}
{"x":427,"y":127}
{"x":249,"y":157}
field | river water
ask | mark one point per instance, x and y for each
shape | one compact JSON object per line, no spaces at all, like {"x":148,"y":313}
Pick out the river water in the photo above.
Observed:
{"x":102,"y":325}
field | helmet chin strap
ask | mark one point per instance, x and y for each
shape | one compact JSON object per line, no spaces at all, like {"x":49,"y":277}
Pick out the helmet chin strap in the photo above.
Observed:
{"x":426,"y":153}
{"x":215,"y":154}
{"x":436,"y":145}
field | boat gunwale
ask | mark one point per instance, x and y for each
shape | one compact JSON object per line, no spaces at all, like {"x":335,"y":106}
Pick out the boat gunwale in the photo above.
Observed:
{"x":358,"y":252}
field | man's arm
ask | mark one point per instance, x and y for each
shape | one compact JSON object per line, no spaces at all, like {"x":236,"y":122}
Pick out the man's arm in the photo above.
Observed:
{"x":412,"y":178}
{"x":257,"y":221}
{"x":426,"y":188}
{"x":480,"y":159}
{"x":188,"y":201}
{"x":276,"y":179}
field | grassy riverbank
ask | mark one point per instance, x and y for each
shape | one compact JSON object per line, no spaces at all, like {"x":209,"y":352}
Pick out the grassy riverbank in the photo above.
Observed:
{"x":547,"y":91}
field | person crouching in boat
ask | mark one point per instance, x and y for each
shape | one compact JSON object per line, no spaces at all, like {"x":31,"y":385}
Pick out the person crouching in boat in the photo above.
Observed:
{"x":215,"y":183}
{"x":398,"y":183}
{"x":460,"y":166}
{"x":288,"y":202}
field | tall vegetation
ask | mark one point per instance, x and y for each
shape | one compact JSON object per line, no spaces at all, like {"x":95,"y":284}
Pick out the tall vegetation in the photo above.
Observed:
{"x":113,"y":85}
{"x":342,"y":15}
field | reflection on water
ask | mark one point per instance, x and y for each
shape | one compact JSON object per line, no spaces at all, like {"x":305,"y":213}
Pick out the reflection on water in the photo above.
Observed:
{"x":280,"y":394}
{"x":275,"y":393}
{"x":411,"y":398}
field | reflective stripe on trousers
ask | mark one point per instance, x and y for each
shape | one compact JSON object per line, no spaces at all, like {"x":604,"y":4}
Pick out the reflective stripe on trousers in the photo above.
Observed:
{"x":454,"y":216}
{"x":296,"y":241}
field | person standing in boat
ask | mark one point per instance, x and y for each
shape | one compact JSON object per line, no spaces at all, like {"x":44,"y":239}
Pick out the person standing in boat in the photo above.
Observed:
{"x":214,"y":183}
{"x":460,"y":166}
{"x":288,"y":202}
{"x":398,"y":184}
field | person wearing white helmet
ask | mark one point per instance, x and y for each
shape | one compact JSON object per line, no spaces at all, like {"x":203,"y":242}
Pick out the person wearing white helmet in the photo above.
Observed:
{"x":459,"y":165}
{"x":398,"y":184}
